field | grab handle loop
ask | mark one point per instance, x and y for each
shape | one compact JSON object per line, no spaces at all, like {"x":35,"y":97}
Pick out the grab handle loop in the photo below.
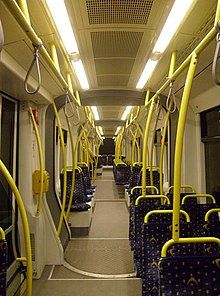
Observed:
{"x":74,"y":113}
{"x":215,"y":61}
{"x":171,"y":93}
{"x":34,"y":61}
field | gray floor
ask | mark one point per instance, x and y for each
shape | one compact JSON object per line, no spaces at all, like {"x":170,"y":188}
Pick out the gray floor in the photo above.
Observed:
{"x":104,"y":251}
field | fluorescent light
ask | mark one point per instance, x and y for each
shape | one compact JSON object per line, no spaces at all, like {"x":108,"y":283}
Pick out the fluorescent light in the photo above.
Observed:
{"x":81,"y":74}
{"x":95,"y":112}
{"x":101,"y":130}
{"x":117,"y":130}
{"x":125,"y":114}
{"x":146,"y":74}
{"x":61,"y":19}
{"x":177,"y":13}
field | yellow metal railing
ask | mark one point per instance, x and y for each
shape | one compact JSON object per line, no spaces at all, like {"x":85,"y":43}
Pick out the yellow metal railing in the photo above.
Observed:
{"x":153,"y":212}
{"x":41,"y":161}
{"x":147,"y":187}
{"x":2,"y":233}
{"x":20,"y":12}
{"x":164,"y":197}
{"x":26,"y":231}
{"x":198,"y":195}
{"x":210,"y":212}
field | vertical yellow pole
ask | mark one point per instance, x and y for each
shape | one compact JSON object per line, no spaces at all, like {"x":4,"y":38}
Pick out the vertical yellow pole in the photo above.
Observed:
{"x":69,"y":81}
{"x":171,"y":71}
{"x":147,"y":98}
{"x":24,"y":8}
{"x":54,"y":55}
{"x":152,"y":147}
{"x":145,"y":145}
{"x":179,"y":145}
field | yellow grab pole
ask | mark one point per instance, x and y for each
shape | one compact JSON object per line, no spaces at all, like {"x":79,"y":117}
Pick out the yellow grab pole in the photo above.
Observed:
{"x":54,"y":55}
{"x":164,"y":133}
{"x":152,"y":147}
{"x":26,"y":231}
{"x":134,"y":140}
{"x":179,"y":146}
{"x":145,"y":145}
{"x":41,"y":161}
{"x":2,"y":233}
{"x":62,"y":214}
{"x":73,"y":168}
{"x":24,"y":8}
{"x":147,"y":98}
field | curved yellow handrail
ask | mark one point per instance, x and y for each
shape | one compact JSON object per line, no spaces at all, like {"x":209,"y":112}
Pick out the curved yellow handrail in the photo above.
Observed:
{"x":147,"y":187}
{"x":152,"y":196}
{"x":188,"y":240}
{"x":210,"y":212}
{"x":137,"y":163}
{"x":198,"y":195}
{"x":146,"y":218}
{"x":62,"y":214}
{"x":182,"y":187}
{"x":25,"y":224}
{"x":41,"y":161}
{"x":82,"y":163}
{"x":73,"y":168}
{"x":2,"y":233}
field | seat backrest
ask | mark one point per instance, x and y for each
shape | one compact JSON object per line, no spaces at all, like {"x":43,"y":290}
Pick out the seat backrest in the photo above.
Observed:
{"x":190,"y":275}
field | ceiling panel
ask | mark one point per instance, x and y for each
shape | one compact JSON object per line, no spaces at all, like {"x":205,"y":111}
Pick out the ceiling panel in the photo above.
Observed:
{"x":112,"y":80}
{"x":115,"y":43}
{"x":114,"y":66}
{"x":118,"y":11}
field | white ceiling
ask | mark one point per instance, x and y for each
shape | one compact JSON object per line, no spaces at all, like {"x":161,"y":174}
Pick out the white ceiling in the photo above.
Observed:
{"x":115,"y":39}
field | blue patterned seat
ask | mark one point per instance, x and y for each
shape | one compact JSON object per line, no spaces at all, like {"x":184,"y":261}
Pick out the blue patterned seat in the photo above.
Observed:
{"x":145,"y":205}
{"x":3,"y":267}
{"x":154,"y":236}
{"x":197,"y":214}
{"x":189,"y":275}
{"x":121,"y":173}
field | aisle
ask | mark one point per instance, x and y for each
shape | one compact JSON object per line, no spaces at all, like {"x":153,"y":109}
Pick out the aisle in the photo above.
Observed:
{"x":102,"y":262}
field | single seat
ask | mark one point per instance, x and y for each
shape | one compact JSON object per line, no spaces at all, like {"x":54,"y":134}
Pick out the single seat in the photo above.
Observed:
{"x":189,"y":275}
{"x":154,"y":236}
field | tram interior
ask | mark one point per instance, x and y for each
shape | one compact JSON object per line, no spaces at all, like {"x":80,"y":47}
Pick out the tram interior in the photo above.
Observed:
{"x":109,"y":147}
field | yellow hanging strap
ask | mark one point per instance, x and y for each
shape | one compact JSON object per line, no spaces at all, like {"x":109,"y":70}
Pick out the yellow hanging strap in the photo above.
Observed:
{"x":41,"y":161}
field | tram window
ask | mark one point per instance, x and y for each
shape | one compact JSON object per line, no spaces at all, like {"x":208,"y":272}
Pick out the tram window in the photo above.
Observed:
{"x":64,"y":135}
{"x":7,"y":148}
{"x":210,"y":131}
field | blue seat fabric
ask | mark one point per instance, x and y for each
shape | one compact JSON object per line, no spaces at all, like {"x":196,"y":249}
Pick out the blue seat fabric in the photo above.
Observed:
{"x":3,"y":267}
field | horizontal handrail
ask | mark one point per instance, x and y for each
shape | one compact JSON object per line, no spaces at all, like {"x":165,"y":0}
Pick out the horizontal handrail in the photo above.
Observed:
{"x":152,"y":196}
{"x":198,"y":195}
{"x":2,"y":233}
{"x":188,"y":240}
{"x":147,"y":187}
{"x":210,"y":212}
{"x":146,"y":218}
{"x":182,"y":187}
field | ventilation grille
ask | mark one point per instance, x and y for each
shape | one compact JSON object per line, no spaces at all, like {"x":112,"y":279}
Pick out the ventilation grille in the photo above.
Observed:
{"x":116,"y":43}
{"x":112,"y":80}
{"x":118,"y":11}
{"x":32,"y":238}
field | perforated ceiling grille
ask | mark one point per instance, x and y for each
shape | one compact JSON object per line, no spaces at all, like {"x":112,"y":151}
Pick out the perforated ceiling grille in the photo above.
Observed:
{"x":116,"y":43}
{"x":112,"y":80}
{"x":118,"y":11}
{"x":113,"y":66}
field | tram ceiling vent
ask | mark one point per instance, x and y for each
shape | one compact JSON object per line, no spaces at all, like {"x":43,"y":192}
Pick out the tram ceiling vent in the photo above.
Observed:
{"x":108,"y":44}
{"x":130,"y":12}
